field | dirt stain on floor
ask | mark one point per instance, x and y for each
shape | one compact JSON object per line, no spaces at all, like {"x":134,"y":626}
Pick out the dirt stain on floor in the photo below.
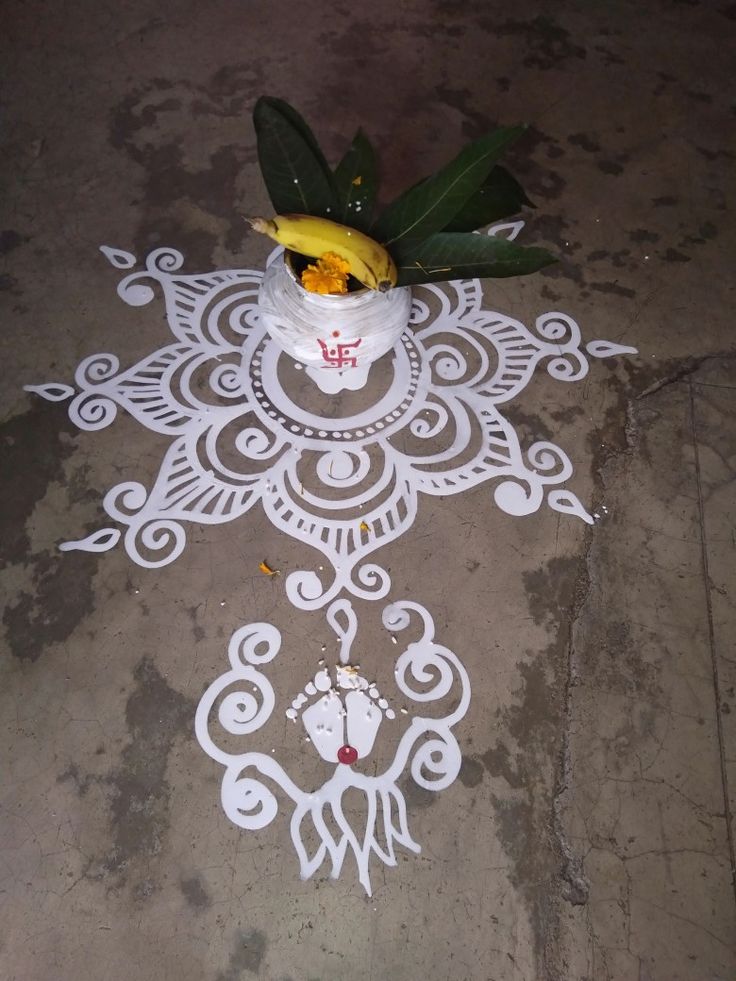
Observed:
{"x":36,"y":445}
{"x":523,"y":766}
{"x":247,"y":954}
{"x":193,"y":206}
{"x":155,"y":714}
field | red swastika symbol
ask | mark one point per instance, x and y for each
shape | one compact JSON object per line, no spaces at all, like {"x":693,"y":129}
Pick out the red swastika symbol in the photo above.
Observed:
{"x":338,"y":355}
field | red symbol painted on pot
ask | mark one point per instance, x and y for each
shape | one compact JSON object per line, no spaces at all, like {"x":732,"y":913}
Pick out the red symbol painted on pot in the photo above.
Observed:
{"x":339,"y":355}
{"x":347,"y":754}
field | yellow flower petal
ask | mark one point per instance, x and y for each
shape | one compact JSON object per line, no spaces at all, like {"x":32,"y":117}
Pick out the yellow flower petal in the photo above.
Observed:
{"x":328,"y":275}
{"x":267,"y":570}
{"x":334,"y":263}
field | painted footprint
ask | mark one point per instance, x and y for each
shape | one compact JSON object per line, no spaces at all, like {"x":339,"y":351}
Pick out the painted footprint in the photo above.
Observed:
{"x":342,"y":727}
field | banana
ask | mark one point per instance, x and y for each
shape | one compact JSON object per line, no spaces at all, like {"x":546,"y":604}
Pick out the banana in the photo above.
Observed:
{"x":369,"y":262}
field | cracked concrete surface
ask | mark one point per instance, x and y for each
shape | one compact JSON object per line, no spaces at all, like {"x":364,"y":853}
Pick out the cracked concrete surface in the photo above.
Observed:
{"x":589,"y":836}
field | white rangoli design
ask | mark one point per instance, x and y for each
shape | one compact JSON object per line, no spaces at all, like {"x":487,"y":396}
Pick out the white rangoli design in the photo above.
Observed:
{"x":250,"y":427}
{"x":341,"y":723}
{"x":245,"y":430}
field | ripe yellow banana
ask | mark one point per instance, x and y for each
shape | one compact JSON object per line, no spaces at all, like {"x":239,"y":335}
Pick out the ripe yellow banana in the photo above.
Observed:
{"x":369,"y":262}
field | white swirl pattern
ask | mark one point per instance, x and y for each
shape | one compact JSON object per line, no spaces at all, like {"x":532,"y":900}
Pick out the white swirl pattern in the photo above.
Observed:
{"x":428,"y":746}
{"x":437,"y":428}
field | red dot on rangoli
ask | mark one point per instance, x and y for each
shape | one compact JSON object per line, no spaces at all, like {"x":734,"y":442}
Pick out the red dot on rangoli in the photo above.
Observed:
{"x":347,"y":755}
{"x":336,"y":333}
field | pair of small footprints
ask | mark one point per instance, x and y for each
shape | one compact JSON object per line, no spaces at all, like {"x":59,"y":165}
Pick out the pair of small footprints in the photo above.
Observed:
{"x":343,"y":728}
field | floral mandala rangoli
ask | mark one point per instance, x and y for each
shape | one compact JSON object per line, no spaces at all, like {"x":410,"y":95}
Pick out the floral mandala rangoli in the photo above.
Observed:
{"x":347,"y":485}
{"x":249,"y":427}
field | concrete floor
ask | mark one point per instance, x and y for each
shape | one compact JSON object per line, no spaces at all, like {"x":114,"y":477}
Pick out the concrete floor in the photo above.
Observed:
{"x":589,"y":835}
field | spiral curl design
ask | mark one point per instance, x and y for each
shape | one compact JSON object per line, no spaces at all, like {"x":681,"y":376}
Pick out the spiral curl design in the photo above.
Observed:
{"x":164,"y":536}
{"x":376,"y":580}
{"x":419,"y":312}
{"x":572,"y":367}
{"x":123,"y":500}
{"x":96,"y":369}
{"x":343,"y":468}
{"x":243,"y":317}
{"x":427,"y":665}
{"x":558,"y":327}
{"x":257,"y":444}
{"x":241,"y":713}
{"x":134,"y":292}
{"x":425,"y":429}
{"x":563,"y":332}
{"x":448,"y":363}
{"x":245,"y":641}
{"x":305,"y":590}
{"x":227,"y":380}
{"x":92,"y":411}
{"x":518,"y":497}
{"x":247,"y":802}
{"x":548,"y":458}
{"x":164,"y":260}
{"x":440,"y":757}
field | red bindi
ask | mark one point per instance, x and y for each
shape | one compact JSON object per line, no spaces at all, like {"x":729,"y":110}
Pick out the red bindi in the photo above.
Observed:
{"x":347,"y":755}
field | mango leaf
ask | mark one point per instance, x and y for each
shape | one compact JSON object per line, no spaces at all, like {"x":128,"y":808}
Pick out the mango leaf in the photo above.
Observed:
{"x":299,"y":123}
{"x":429,"y":206}
{"x":356,"y":184}
{"x":294,"y":173}
{"x":460,"y":255}
{"x":500,"y":196}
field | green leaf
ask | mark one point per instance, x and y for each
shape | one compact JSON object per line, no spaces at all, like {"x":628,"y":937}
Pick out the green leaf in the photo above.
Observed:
{"x":429,"y":206}
{"x":299,"y":124}
{"x":355,"y":201}
{"x":460,"y":255}
{"x":294,"y":173}
{"x":501,"y":196}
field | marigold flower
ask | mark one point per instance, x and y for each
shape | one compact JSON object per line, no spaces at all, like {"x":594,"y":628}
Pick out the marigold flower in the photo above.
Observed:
{"x":328,"y":275}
